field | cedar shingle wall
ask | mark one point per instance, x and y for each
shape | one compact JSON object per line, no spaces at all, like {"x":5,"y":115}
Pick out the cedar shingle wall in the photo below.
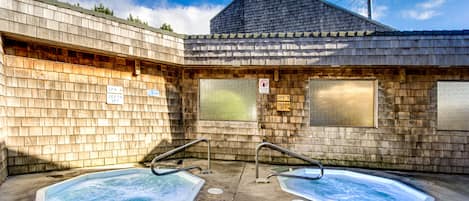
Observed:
{"x":231,"y":20}
{"x":57,"y":116}
{"x":3,"y":129}
{"x":406,"y":137}
{"x":54,"y":116}
{"x":254,"y":16}
{"x":71,"y":26}
{"x":320,"y":49}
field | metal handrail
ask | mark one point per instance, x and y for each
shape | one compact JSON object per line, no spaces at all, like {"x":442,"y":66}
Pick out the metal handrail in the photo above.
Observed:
{"x":290,"y":153}
{"x":177,"y":150}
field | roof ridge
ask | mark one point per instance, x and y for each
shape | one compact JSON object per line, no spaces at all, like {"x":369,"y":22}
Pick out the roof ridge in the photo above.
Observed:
{"x":222,"y":10}
{"x":329,"y":34}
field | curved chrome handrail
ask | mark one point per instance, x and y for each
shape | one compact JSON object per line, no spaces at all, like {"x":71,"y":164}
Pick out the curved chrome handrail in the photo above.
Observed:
{"x":177,"y":150}
{"x":290,"y":153}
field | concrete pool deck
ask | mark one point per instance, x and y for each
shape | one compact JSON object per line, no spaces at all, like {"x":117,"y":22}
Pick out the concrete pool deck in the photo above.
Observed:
{"x":237,"y":181}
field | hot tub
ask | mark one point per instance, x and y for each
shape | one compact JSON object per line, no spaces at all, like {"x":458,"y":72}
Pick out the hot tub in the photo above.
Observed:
{"x":349,"y":186}
{"x":129,"y":184}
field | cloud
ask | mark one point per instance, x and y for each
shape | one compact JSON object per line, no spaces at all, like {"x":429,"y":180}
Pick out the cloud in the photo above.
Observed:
{"x":183,"y":19}
{"x":421,"y":15}
{"x":431,"y":4}
{"x":425,"y":10}
{"x":377,"y":12}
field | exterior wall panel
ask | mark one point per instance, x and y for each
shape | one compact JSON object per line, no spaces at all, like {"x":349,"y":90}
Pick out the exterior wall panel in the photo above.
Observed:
{"x":406,"y":137}
{"x":57,"y":115}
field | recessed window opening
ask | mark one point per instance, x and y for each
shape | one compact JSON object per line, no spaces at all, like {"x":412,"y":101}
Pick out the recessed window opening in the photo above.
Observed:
{"x":453,"y":105}
{"x":347,"y":103}
{"x":227,"y":99}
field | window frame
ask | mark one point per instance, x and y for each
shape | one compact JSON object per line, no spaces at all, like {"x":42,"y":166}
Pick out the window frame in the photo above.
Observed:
{"x":208,"y":120}
{"x":375,"y":101}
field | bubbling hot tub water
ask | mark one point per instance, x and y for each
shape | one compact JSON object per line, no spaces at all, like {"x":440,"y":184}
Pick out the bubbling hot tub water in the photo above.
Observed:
{"x":132,"y":184}
{"x":349,"y":186}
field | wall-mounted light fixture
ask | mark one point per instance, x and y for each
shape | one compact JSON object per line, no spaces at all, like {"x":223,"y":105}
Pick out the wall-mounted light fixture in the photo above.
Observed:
{"x":276,"y":75}
{"x":137,"y":68}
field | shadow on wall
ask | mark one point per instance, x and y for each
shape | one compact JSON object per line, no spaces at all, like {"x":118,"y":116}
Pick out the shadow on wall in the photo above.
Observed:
{"x":170,"y":122}
{"x":23,"y":163}
{"x":3,"y":160}
{"x":20,"y":162}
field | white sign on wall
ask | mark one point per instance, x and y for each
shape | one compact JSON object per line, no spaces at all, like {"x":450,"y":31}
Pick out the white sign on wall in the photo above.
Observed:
{"x":115,"y":95}
{"x":153,"y":92}
{"x":115,"y":89}
{"x":264,"y":86}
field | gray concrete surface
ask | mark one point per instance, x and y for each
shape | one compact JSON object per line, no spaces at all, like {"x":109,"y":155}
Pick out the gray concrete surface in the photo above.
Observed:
{"x":237,"y":181}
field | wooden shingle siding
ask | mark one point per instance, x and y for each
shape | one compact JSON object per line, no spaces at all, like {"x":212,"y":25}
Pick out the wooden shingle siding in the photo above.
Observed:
{"x":259,"y":16}
{"x":444,"y":49}
{"x":57,"y":116}
{"x":76,"y":27}
{"x":406,"y":137}
{"x":53,"y":79}
{"x":3,"y":126}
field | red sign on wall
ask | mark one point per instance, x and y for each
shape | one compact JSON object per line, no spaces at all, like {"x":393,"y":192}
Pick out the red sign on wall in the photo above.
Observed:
{"x":264,"y":86}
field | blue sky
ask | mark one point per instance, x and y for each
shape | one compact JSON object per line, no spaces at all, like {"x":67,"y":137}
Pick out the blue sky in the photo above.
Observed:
{"x":416,"y":14}
{"x":184,"y":2}
{"x":193,"y":17}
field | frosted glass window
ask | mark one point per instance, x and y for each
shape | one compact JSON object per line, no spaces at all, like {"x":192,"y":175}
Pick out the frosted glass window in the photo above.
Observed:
{"x":342,"y":103}
{"x":227,"y":99}
{"x":453,"y":105}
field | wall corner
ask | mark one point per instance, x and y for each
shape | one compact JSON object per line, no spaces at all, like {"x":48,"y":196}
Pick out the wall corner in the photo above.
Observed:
{"x":3,"y":148}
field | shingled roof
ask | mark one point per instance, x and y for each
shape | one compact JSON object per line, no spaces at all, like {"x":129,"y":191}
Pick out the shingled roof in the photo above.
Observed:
{"x":251,"y":16}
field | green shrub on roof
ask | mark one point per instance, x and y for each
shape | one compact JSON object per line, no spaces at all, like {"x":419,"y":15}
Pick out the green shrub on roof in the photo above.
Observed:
{"x":166,"y":27}
{"x":101,"y":9}
{"x":136,"y":20}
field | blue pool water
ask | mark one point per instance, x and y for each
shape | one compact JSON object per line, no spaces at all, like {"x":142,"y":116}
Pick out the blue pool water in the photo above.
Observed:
{"x":349,"y":186}
{"x":126,"y":185}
